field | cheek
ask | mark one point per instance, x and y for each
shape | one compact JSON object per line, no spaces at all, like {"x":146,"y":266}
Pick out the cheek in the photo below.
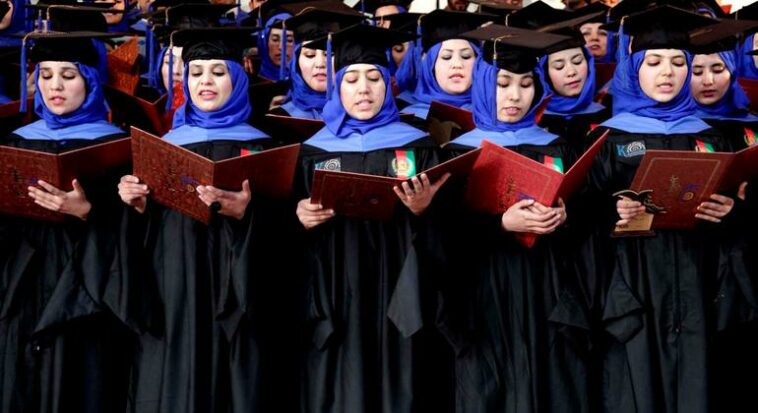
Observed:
{"x":225,"y":85}
{"x":647,"y":80}
{"x":722,"y":82}
{"x":556,"y":76}
{"x":680,"y":75}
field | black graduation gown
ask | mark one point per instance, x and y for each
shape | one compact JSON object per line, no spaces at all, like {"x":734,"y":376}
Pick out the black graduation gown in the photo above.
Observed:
{"x":204,"y":345}
{"x":61,"y":347}
{"x":737,"y":299}
{"x":575,"y":128}
{"x":657,"y":307}
{"x":517,"y":318}
{"x":366,"y":345}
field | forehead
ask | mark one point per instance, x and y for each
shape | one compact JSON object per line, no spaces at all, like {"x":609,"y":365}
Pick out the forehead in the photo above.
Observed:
{"x":590,"y":26}
{"x":664,"y":52}
{"x":503,"y":72}
{"x":707,"y":59}
{"x":361,"y":68}
{"x":57,"y":65}
{"x":455,"y":44}
{"x":566,"y":53}
{"x":207,"y":63}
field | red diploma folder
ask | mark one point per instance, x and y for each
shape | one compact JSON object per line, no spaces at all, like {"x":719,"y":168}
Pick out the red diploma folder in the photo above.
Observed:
{"x":291,"y":130}
{"x":751,"y":89}
{"x":172,"y":173}
{"x":140,"y":110}
{"x":502,"y":177}
{"x":21,"y":168}
{"x":682,"y":180}
{"x":447,"y":122}
{"x":370,"y":196}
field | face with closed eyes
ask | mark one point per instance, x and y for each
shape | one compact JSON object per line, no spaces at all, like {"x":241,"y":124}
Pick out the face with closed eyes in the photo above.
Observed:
{"x":515,"y":93}
{"x":595,"y":38}
{"x":178,"y":70}
{"x":362,"y":91}
{"x":62,"y":86}
{"x":209,"y":83}
{"x":398,"y":52}
{"x":710,"y":79}
{"x":454,"y":67}
{"x":663,"y":74}
{"x":568,"y":70}
{"x":275,"y":45}
{"x":313,"y":68}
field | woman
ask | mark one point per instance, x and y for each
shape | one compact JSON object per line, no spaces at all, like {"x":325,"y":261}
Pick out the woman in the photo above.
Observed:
{"x":518,"y":323}
{"x":570,"y":69}
{"x":307,"y":93}
{"x":723,"y":105}
{"x":659,"y":300}
{"x":447,"y":64}
{"x":363,"y":317}
{"x":63,"y":347}
{"x":274,"y":60}
{"x":202,"y":351}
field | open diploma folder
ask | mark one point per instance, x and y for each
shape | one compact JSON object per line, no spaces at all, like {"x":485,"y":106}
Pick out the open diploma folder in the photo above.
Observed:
{"x":172,"y":173}
{"x":502,"y":177}
{"x":681,"y":180}
{"x":371,"y":196}
{"x":21,"y":168}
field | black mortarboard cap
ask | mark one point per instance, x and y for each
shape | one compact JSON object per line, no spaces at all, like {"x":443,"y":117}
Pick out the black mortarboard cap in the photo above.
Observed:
{"x":441,"y":25}
{"x":663,"y":27}
{"x":593,"y":8}
{"x":499,"y":8}
{"x":190,"y":15}
{"x":536,"y":15}
{"x":709,"y":7}
{"x":223,"y":43}
{"x":361,"y":43}
{"x":747,"y":13}
{"x":70,"y":17}
{"x":514,"y":49}
{"x":313,"y":20}
{"x":65,"y":47}
{"x":570,"y":28}
{"x":720,"y":37}
{"x":406,"y":22}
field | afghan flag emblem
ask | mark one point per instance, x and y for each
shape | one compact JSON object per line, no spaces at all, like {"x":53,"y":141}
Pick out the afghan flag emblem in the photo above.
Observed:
{"x":554,"y":163}
{"x":703,"y":147}
{"x":245,"y":152}
{"x":404,"y":164}
{"x":750,"y":138}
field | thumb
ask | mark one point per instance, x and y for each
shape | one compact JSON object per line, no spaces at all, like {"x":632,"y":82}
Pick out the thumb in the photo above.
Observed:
{"x":246,"y":187}
{"x":77,"y":187}
{"x":742,"y":192}
{"x":524,"y":203}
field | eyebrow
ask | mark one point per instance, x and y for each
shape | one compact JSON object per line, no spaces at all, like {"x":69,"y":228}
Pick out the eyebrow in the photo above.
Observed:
{"x":62,"y":68}
{"x":461,"y":49}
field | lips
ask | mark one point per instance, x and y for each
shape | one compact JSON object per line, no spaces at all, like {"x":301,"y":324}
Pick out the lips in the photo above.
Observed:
{"x":364,"y":104}
{"x":573,"y":85}
{"x":708,"y":93}
{"x":57,"y":100}
{"x":665,"y":87}
{"x":512,"y":110}
{"x":320,"y":76}
{"x":456,"y":77}
{"x":207,"y":94}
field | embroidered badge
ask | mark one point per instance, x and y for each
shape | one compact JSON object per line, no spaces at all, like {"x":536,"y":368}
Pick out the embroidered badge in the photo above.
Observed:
{"x":630,"y":150}
{"x":404,"y":164}
{"x":334,"y":164}
{"x":555,"y":163}
{"x":244,"y":152}
{"x":703,"y":147}
{"x":750,"y":138}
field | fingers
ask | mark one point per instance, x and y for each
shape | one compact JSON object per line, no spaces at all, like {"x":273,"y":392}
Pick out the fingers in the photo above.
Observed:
{"x":400,"y":194}
{"x":45,"y":199}
{"x":306,"y":203}
{"x":524,"y":203}
{"x":246,"y":188}
{"x":742,"y":192}
{"x":49,"y":188}
{"x":725,"y":200}
{"x":311,"y":215}
{"x":539,"y":208}
{"x":131,"y":179}
{"x":708,"y":218}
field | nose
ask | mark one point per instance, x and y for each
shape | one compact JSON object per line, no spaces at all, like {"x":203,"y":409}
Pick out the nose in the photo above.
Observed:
{"x":571,"y":70}
{"x":667,"y":69}
{"x":56,"y":83}
{"x":513,"y":94}
{"x":708,"y":78}
{"x":456,"y":62}
{"x":206,"y":78}
{"x":320,"y":60}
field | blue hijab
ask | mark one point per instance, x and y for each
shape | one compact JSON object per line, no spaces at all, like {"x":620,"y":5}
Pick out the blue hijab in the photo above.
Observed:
{"x":156,"y":71}
{"x":584,"y":103}
{"x":405,"y":76}
{"x":675,"y":116}
{"x":236,"y":110}
{"x":302,"y":97}
{"x":343,"y":133}
{"x":610,"y":48}
{"x":89,"y":121}
{"x":523,"y":132}
{"x":747,"y":65}
{"x":734,"y":105}
{"x":269,"y":69}
{"x":428,"y":90}
{"x":229,"y":122}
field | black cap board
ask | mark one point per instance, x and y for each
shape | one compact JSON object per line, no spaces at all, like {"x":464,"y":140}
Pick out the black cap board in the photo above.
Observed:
{"x":441,"y":25}
{"x":663,"y":27}
{"x":222,"y":43}
{"x":361,"y":43}
{"x":536,"y":15}
{"x":720,"y":37}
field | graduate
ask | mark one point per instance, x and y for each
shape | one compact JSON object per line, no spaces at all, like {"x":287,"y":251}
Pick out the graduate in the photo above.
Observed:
{"x":447,"y":63}
{"x":569,"y":69}
{"x":312,"y":20}
{"x":517,"y":318}
{"x":364,"y":334}
{"x":659,"y":299}
{"x":405,"y":58}
{"x":64,"y":349}
{"x":748,"y":63}
{"x":600,"y":42}
{"x":204,"y":348}
{"x":273,"y":57}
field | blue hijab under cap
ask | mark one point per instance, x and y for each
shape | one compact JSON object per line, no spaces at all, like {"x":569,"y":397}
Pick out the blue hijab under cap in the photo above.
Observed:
{"x":428,"y":90}
{"x":747,"y":65}
{"x":734,"y":105}
{"x":270,"y":69}
{"x":610,"y":49}
{"x":89,"y":121}
{"x":523,"y":132}
{"x":584,"y":103}
{"x":302,"y":99}
{"x":675,"y":116}
{"x":343,"y":133}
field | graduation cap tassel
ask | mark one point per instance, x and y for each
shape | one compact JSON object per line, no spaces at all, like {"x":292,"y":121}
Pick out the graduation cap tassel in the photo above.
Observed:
{"x":150,"y":54}
{"x":283,"y":56}
{"x":24,"y":90}
{"x":239,"y":13}
{"x":170,"y":51}
{"x":329,"y":67}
